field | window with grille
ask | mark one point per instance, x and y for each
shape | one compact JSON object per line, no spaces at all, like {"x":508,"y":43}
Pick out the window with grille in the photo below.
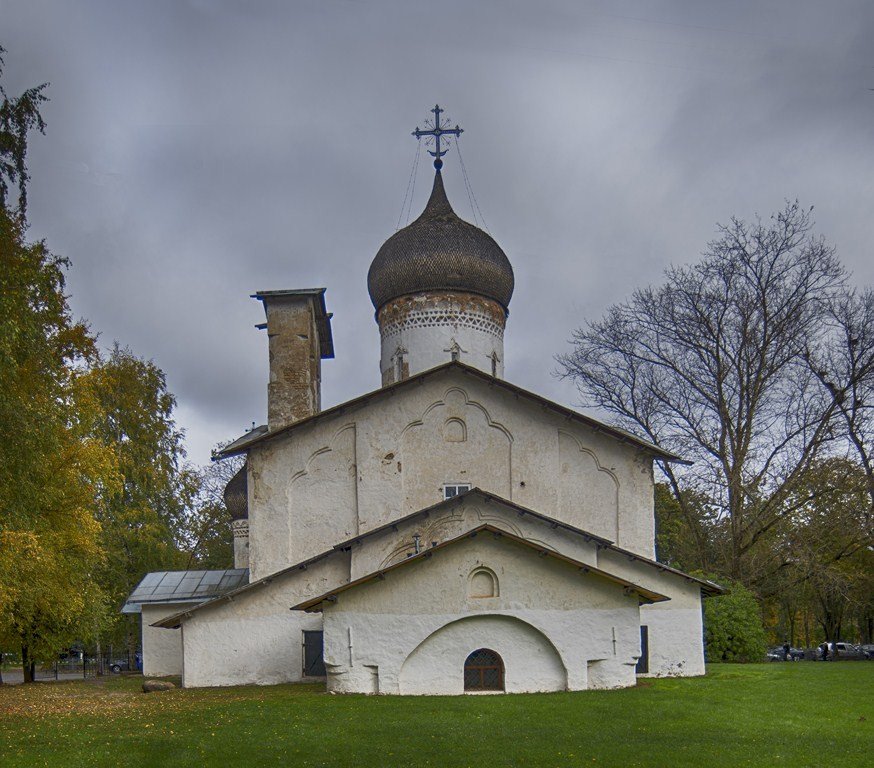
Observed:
{"x":484,"y":671}
{"x":453,"y":490}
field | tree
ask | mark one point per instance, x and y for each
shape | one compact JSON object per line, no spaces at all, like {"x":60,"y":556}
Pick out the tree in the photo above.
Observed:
{"x":844,"y":366}
{"x":689,"y":535}
{"x":18,"y":116}
{"x":208,"y":533}
{"x":825,"y":545}
{"x":733,"y":628}
{"x":141,"y":517}
{"x":711,"y":365}
{"x":51,"y":469}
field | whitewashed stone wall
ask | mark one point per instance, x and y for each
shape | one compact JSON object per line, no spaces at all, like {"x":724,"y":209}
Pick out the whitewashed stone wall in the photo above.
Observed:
{"x":356,"y":470}
{"x":426,"y":330}
{"x":162,"y":648}
{"x":256,"y":638}
{"x":551,"y":624}
{"x":676,"y":642}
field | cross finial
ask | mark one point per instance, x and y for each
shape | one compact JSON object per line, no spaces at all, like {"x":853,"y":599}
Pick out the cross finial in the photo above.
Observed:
{"x":437,"y":131}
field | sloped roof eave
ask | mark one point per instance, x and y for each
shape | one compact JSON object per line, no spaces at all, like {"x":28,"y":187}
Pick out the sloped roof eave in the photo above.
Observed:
{"x":645,"y":595}
{"x":709,"y":588}
{"x":261,"y":434}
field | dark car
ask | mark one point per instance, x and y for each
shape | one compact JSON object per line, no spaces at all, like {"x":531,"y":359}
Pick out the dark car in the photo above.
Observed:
{"x":119,"y":665}
{"x":779,"y":654}
{"x":868,"y":650}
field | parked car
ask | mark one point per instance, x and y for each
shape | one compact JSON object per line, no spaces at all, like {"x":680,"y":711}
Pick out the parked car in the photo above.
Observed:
{"x":868,"y":650}
{"x":844,"y":651}
{"x":779,"y":654}
{"x":119,"y":665}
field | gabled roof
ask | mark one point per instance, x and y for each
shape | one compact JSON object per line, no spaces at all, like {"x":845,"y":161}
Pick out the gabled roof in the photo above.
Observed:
{"x":183,"y":587}
{"x":645,"y":595}
{"x":709,"y":588}
{"x":261,"y":434}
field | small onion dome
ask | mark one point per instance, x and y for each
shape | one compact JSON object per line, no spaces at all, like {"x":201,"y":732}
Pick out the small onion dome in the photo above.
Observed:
{"x":236,"y":496}
{"x":440,"y":251}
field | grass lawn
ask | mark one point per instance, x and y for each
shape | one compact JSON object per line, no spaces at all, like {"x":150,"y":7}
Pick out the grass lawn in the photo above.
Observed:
{"x":760,"y":714}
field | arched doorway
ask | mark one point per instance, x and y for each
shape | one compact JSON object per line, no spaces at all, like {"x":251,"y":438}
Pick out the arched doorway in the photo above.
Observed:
{"x":483,"y":671}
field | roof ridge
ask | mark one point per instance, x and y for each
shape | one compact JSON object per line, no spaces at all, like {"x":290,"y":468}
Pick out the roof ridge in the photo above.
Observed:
{"x":238,"y":447}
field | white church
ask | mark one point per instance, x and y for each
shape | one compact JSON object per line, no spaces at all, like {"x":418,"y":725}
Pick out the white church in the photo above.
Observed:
{"x":447,"y":533}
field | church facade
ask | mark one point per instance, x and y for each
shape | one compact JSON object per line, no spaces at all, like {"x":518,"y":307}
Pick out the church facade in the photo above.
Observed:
{"x":449,"y":532}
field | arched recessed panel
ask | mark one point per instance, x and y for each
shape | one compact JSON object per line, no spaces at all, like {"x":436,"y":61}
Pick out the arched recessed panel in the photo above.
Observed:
{"x":455,"y":440}
{"x":530,"y":661}
{"x":588,"y":492}
{"x":483,"y":583}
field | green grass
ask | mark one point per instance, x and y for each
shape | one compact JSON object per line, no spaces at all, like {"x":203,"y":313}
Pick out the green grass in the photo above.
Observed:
{"x":761,"y":714}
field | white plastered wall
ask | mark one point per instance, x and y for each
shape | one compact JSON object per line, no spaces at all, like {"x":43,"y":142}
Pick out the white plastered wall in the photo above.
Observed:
{"x":356,"y":470}
{"x":411,"y":632}
{"x":439,"y":332}
{"x":162,"y":648}
{"x":676,"y":644}
{"x":255,"y":638}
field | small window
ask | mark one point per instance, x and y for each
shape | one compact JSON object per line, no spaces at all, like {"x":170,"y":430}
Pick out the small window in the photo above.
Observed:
{"x":484,"y":671}
{"x":453,"y":490}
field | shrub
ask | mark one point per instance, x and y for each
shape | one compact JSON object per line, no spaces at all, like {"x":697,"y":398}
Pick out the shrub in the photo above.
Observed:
{"x":733,"y":629}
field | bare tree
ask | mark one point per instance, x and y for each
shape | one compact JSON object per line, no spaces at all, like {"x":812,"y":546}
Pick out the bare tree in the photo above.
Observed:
{"x":207,"y":532}
{"x":711,"y":365}
{"x":844,"y":366}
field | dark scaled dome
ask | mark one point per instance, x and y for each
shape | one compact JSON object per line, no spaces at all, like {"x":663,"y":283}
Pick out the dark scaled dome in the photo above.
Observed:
{"x":440,"y":251}
{"x":236,"y":495}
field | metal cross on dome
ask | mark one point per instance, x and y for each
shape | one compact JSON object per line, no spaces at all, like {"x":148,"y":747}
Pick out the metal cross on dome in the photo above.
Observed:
{"x":437,"y":131}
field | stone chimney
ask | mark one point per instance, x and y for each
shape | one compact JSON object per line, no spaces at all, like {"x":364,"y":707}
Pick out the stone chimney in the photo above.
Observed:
{"x":237,"y":502}
{"x":299,"y":335}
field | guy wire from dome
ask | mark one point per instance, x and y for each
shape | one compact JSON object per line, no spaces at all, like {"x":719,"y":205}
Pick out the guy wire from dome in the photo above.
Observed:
{"x":439,"y":250}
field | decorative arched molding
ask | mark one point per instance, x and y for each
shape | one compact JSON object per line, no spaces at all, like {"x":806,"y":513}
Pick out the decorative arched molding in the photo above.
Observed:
{"x":328,"y":482}
{"x":483,"y":583}
{"x":454,"y":430}
{"x":588,"y":491}
{"x":484,"y":458}
{"x":500,"y":521}
{"x":592,"y":455}
{"x":430,"y":531}
{"x":467,"y":402}
{"x":322,"y":451}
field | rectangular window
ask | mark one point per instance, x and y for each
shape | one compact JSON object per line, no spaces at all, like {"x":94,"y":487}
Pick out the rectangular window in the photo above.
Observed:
{"x":453,"y":490}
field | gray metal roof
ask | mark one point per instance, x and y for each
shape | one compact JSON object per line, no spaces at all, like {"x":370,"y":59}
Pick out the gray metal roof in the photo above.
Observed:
{"x":184,"y":587}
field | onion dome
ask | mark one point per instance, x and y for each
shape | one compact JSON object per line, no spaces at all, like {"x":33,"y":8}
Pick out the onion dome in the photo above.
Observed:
{"x":440,"y":251}
{"x":237,"y":496}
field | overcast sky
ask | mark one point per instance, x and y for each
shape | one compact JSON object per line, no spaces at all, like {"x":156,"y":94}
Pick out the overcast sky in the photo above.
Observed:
{"x":199,"y":151}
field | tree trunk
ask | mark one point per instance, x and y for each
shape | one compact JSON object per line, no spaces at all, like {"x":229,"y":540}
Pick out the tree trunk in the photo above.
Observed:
{"x":28,"y":665}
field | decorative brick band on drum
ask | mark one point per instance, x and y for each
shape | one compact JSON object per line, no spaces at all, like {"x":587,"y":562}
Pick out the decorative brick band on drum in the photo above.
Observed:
{"x":460,"y":310}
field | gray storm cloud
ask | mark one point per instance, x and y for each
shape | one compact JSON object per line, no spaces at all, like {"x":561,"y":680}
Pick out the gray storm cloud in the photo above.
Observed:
{"x":199,"y":151}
